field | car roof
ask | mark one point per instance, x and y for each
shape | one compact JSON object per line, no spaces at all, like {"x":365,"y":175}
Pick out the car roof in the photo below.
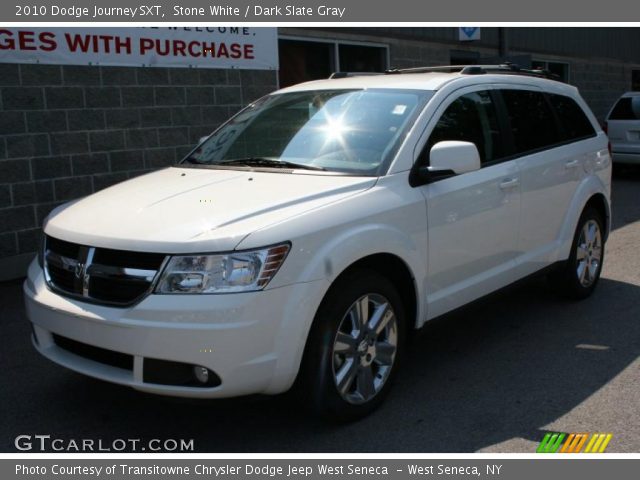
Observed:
{"x":427,"y":81}
{"x":415,"y":81}
{"x":630,"y":94}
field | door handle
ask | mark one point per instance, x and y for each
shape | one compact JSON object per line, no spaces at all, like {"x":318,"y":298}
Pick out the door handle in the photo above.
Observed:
{"x":571,"y":164}
{"x":509,"y":183}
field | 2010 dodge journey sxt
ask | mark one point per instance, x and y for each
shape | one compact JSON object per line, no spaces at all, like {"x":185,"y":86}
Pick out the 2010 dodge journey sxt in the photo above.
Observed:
{"x":307,"y":236}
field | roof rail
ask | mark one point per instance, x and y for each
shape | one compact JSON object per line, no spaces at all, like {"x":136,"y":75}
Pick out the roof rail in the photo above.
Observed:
{"x":335,"y":75}
{"x":437,"y":68}
{"x":503,"y":68}
{"x":508,"y":68}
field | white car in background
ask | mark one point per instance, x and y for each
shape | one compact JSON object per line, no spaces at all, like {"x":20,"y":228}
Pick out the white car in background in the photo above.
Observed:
{"x":623,"y":128}
{"x":310,"y":234}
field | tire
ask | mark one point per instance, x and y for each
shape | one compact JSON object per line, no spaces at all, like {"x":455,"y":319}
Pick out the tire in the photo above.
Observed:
{"x":348,"y":369}
{"x":578,"y":277}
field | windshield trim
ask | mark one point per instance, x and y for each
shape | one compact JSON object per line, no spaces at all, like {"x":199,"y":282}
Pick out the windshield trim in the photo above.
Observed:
{"x":264,"y":169}
{"x":424,"y":96}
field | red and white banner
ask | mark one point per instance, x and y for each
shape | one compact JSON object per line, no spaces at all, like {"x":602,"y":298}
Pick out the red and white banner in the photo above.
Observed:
{"x":202,"y":47}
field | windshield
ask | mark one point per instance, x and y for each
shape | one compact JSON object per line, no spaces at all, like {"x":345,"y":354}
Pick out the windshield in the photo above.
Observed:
{"x":351,"y":131}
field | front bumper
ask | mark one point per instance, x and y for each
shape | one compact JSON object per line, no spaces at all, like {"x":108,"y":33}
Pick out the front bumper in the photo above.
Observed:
{"x":252,"y":341}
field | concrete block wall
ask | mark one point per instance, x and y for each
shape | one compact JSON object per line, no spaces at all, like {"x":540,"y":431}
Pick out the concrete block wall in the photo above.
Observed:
{"x":68,"y":131}
{"x":601,"y":83}
{"x":408,"y":54}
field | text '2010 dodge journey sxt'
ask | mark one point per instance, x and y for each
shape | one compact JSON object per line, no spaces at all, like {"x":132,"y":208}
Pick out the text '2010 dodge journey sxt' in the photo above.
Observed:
{"x":303,"y":240}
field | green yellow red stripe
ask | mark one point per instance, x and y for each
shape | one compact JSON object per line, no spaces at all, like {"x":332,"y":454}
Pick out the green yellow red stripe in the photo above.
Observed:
{"x":552,"y":442}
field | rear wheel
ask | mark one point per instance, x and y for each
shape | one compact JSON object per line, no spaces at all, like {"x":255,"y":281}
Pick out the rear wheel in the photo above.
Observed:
{"x":579,"y":275}
{"x":354,"y":346}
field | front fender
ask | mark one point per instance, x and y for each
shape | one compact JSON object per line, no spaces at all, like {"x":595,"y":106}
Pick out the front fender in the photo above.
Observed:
{"x":331,"y":259}
{"x":342,"y":250}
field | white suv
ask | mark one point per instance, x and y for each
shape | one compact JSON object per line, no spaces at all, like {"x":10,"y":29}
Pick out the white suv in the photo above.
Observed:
{"x":623,"y":127}
{"x":306,"y":237}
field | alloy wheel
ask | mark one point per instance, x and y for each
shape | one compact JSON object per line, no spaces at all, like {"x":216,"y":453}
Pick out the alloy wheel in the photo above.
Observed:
{"x":589,"y":253}
{"x":364,"y":348}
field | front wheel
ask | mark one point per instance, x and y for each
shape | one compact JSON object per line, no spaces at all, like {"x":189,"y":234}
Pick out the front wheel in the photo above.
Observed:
{"x":354,"y":346}
{"x":579,"y":275}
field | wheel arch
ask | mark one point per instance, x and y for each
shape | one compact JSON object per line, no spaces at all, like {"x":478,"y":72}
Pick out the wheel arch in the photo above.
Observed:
{"x":599,"y":202}
{"x":398,"y":272}
{"x":386,"y":264}
{"x":590,"y":193}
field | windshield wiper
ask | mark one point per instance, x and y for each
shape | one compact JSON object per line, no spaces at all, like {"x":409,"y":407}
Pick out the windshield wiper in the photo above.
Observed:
{"x":269,"y":162}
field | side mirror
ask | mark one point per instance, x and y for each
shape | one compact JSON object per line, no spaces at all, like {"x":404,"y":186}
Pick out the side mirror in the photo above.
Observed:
{"x":461,"y":157}
{"x":447,"y":159}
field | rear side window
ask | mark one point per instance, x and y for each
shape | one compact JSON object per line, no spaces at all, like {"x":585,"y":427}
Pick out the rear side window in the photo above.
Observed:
{"x":532,"y":121}
{"x":627,"y":108}
{"x":575,"y":124}
{"x":471,"y":118}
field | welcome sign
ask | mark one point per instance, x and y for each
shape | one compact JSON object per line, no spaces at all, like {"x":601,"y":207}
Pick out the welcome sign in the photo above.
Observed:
{"x":203,"y":47}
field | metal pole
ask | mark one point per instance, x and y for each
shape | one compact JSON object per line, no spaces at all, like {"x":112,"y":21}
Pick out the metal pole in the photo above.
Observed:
{"x":503,"y":43}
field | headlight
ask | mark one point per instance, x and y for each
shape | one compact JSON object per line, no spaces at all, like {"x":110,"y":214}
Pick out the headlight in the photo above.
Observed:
{"x":222,"y":273}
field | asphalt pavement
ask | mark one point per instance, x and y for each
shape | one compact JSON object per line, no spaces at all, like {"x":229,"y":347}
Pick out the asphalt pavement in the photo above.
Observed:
{"x":494,"y":377}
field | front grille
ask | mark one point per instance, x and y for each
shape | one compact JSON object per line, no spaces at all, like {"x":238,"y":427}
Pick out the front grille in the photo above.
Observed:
{"x":97,"y":354}
{"x":99,"y":275}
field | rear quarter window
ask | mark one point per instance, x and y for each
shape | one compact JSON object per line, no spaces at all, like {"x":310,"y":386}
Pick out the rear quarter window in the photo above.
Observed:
{"x":627,"y":108}
{"x":575,"y":124}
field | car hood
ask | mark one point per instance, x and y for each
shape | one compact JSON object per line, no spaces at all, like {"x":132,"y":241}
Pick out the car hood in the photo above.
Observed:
{"x":186,"y":210}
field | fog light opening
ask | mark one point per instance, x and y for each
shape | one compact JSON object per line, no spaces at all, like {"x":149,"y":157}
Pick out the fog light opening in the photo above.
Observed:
{"x":167,"y":372}
{"x":201,"y":374}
